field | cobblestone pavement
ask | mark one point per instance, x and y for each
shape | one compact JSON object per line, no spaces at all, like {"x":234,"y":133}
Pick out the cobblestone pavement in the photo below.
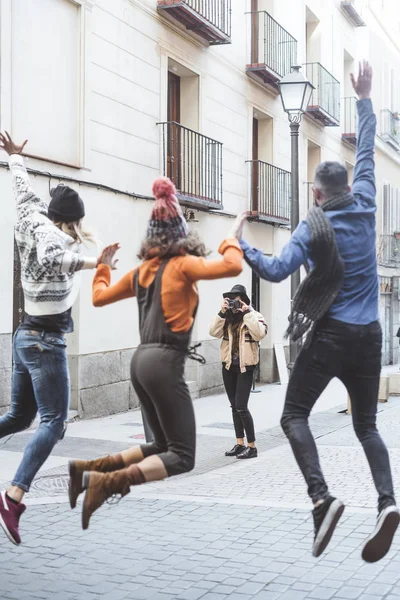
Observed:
{"x":228,"y":531}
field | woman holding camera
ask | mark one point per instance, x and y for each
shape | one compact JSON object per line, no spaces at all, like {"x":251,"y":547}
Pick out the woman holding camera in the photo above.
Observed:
{"x":241,"y":329}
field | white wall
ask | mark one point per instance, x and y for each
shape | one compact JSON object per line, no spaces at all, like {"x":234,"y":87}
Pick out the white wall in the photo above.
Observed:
{"x":125,"y":51}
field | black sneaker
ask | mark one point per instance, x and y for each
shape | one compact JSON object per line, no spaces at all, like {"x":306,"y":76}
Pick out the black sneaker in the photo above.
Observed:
{"x":248,"y":453}
{"x":326,"y":517}
{"x":237,"y":449}
{"x":378,"y":544}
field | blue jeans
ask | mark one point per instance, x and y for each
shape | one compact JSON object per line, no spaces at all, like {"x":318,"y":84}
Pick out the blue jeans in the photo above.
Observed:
{"x":352,"y":353}
{"x":40,"y":384}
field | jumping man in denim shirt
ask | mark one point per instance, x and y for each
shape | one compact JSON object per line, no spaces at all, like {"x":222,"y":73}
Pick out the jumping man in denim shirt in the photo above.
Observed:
{"x":345,"y":337}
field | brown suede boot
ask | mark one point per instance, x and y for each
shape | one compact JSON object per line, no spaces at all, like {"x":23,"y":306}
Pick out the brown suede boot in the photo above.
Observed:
{"x":77,"y":467}
{"x":101,"y":486}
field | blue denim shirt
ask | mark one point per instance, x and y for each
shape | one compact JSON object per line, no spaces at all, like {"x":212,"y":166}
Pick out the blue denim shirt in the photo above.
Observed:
{"x":355,"y":229}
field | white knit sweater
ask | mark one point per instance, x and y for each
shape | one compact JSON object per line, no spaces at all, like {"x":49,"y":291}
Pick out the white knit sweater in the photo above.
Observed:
{"x":50,"y":259}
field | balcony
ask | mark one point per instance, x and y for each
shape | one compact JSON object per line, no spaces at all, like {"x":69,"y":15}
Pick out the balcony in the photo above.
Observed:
{"x":352,"y":12}
{"x":389,"y":251}
{"x":350,"y":121}
{"x":194,"y":163}
{"x":273,"y":51}
{"x":390,"y":128}
{"x":209,"y":19}
{"x":270,"y":193}
{"x":324,"y":106}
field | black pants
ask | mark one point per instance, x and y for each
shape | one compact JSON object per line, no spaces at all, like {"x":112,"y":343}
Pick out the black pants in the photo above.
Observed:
{"x":238,"y":387}
{"x":353,"y":354}
{"x":158,"y":378}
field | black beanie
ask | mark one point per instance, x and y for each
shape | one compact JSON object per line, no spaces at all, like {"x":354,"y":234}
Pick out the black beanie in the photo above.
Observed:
{"x":66,"y":205}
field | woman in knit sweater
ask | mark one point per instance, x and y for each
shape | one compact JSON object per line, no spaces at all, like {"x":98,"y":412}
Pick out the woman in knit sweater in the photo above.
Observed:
{"x":166,"y":291}
{"x":49,"y":239}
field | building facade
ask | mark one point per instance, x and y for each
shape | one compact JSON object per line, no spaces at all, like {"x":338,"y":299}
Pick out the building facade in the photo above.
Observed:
{"x":111,"y":94}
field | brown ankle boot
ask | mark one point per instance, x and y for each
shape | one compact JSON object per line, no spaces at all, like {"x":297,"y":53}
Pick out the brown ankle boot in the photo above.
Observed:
{"x":101,"y":486}
{"x":77,"y":467}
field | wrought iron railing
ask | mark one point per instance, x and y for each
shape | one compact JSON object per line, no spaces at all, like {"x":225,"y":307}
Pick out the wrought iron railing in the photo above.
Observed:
{"x":271,"y":44}
{"x":389,"y":250}
{"x":349,"y":118}
{"x":326,"y":92}
{"x":270,"y":195}
{"x":194,"y":163}
{"x":390,"y":127}
{"x":216,"y":12}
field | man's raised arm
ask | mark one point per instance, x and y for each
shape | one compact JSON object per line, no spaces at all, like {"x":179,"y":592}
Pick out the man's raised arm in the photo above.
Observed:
{"x":364,"y":172}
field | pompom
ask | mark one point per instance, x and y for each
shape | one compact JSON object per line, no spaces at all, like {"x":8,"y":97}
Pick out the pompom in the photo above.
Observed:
{"x":164,"y":188}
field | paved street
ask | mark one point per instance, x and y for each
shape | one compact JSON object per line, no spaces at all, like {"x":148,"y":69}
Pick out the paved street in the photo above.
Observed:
{"x":229,"y":530}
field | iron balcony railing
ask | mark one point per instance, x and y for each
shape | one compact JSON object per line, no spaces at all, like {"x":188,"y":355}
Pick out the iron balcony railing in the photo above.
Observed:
{"x":271,"y":46}
{"x":390,"y":128}
{"x":194,"y":163}
{"x":350,"y":120}
{"x":325,"y":98}
{"x":270,"y":192}
{"x":389,"y":250}
{"x":196,"y":15}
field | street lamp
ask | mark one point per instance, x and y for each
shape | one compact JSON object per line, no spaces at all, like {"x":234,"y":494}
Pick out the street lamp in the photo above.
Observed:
{"x":295,"y":91}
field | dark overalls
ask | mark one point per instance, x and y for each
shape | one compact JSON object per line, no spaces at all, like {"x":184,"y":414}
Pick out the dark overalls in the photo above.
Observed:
{"x":157,"y":372}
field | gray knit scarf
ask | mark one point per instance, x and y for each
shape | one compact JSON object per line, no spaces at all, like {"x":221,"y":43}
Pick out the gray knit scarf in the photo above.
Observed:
{"x":318,"y":290}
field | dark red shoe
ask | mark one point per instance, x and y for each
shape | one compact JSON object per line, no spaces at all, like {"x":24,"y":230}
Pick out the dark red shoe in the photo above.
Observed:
{"x":10,"y":514}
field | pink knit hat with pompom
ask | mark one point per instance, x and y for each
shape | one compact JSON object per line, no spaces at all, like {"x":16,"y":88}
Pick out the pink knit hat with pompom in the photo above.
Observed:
{"x":166,"y":220}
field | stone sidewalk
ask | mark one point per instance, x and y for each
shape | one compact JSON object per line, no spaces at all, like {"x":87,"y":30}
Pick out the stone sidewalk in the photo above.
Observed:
{"x":228,"y":531}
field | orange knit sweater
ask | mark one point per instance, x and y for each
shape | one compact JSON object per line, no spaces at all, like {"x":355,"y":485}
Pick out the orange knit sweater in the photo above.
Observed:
{"x":179,"y":294}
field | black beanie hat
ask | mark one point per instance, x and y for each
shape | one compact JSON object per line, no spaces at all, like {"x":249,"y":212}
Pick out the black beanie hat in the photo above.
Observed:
{"x":66,"y":205}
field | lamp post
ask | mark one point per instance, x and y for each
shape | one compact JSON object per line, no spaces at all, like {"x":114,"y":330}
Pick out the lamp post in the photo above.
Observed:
{"x":295,"y":92}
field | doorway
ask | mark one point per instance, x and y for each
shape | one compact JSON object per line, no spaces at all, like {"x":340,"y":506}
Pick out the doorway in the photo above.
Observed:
{"x":174,"y":137}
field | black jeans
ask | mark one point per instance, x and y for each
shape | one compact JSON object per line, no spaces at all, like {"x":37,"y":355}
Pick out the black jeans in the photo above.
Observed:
{"x":353,"y":354}
{"x":157,"y":374}
{"x":238,"y":387}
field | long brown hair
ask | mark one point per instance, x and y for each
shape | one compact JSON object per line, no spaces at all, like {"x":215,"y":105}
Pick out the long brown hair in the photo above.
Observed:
{"x":234,"y":323}
{"x":164,"y":248}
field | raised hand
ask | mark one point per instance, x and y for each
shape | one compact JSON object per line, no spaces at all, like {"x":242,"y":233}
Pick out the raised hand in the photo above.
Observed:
{"x":9,"y":146}
{"x":237,"y":229}
{"x":363,"y":84}
{"x":107,"y":257}
{"x":244,"y":307}
{"x":225,"y":305}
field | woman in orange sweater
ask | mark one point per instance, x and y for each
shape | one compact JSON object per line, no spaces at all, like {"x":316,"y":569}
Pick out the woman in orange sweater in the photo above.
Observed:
{"x":165,"y":287}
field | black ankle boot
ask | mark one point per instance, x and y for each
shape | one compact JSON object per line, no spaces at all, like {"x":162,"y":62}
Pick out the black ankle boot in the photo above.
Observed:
{"x":248,"y":453}
{"x":237,"y":449}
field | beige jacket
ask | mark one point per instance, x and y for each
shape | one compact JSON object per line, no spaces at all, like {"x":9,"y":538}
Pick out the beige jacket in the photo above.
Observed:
{"x":253,"y":330}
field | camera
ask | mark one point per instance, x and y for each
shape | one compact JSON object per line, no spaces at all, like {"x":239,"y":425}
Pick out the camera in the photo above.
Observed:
{"x":234,"y":304}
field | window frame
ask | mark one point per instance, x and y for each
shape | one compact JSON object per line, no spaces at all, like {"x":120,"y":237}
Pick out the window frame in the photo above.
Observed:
{"x":83,"y":150}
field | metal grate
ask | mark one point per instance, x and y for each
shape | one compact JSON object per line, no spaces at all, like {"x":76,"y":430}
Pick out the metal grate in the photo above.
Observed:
{"x":52,"y":484}
{"x":194,"y":163}
{"x":271,"y":45}
{"x":210,"y":19}
{"x":389,"y":251}
{"x":325,"y":98}
{"x":271,"y":192}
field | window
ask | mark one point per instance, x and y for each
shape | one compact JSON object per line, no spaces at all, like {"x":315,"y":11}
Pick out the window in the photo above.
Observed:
{"x":46,"y":81}
{"x":390,"y":209}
